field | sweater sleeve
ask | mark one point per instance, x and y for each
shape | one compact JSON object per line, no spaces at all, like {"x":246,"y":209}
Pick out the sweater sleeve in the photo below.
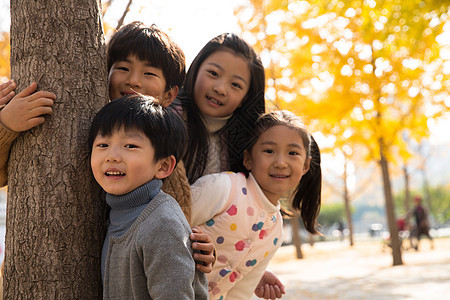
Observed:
{"x":7,"y":137}
{"x":210,"y":194}
{"x":167,"y":259}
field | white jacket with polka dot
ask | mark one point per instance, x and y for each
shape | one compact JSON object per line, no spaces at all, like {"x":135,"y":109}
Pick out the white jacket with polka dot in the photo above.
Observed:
{"x":246,"y":229}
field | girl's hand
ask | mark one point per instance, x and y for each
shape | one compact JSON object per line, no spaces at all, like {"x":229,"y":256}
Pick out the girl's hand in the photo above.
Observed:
{"x":205,"y":254}
{"x":269,"y":287}
{"x":27,"y":109}
{"x":7,"y":92}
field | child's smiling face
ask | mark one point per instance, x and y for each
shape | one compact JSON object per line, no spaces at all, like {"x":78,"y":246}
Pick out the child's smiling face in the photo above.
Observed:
{"x":132,"y":76}
{"x":123,"y":161}
{"x":222,"y":82}
{"x":277,"y":161}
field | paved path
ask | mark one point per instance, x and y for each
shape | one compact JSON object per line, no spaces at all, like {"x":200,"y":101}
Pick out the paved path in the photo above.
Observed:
{"x":335,"y":271}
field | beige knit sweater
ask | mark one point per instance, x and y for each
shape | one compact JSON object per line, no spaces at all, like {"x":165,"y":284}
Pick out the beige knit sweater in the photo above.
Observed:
{"x":7,"y":137}
{"x":177,"y":186}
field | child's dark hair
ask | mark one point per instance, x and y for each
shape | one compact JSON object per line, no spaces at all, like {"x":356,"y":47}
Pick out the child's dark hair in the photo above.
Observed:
{"x":307,"y":195}
{"x":162,"y":126}
{"x":239,"y":128}
{"x":149,"y":43}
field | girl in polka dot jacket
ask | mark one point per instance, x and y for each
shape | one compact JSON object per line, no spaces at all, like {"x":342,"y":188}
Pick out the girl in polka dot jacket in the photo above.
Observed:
{"x":241,"y":212}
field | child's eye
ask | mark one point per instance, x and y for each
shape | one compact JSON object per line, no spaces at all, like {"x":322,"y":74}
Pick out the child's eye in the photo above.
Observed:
{"x":293,"y":153}
{"x":236,"y":85}
{"x":268,"y":151}
{"x":122,"y":69}
{"x":213,"y":73}
{"x":102,"y":145}
{"x":150,"y":74}
{"x":131,"y":146}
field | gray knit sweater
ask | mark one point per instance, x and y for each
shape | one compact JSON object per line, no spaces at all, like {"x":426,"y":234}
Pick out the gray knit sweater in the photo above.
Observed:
{"x":147,"y":253}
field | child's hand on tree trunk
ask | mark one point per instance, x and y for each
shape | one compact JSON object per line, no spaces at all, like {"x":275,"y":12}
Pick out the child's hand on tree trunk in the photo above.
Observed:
{"x":26,"y":109}
{"x":7,"y":92}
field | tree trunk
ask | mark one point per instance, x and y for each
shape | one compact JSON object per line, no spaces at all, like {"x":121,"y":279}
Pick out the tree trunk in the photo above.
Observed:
{"x":348,"y":212}
{"x":390,"y":213}
{"x":407,"y":201}
{"x":296,"y":240}
{"x":56,"y":211}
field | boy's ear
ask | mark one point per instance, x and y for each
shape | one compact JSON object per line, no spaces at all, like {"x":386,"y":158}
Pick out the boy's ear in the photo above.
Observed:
{"x":170,"y":96}
{"x":247,"y":160}
{"x":166,"y":166}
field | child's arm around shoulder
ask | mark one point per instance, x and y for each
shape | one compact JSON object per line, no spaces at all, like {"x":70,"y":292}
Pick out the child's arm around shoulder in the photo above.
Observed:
{"x":210,"y":194}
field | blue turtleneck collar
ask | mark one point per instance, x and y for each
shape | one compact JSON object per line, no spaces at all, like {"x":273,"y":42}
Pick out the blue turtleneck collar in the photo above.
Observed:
{"x":139,"y":196}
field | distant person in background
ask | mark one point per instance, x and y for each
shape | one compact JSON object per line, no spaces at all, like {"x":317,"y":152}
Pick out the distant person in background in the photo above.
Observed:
{"x":422,"y":226}
{"x":341,"y":229}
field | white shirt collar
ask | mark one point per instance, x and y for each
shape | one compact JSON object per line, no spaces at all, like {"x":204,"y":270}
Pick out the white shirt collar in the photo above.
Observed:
{"x":264,"y":201}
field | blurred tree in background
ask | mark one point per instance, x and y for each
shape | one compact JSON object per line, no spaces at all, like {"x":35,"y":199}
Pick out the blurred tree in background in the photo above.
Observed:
{"x":364,"y":72}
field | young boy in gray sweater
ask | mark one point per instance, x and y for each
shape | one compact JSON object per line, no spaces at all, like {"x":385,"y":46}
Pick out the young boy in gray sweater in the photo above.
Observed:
{"x":147,"y":253}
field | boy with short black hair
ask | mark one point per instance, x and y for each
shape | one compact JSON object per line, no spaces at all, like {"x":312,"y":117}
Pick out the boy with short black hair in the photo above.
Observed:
{"x":143,"y":59}
{"x":147,"y":254}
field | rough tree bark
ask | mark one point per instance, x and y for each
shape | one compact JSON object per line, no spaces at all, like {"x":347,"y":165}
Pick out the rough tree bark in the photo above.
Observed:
{"x":55,"y":212}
